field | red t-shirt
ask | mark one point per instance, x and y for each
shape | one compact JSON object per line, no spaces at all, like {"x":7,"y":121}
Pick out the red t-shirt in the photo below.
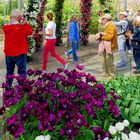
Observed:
{"x":15,"y":39}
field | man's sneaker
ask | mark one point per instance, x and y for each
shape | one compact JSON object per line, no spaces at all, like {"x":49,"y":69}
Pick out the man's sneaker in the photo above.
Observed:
{"x":66,"y":66}
{"x":78,"y":62}
{"x":67,"y":56}
{"x":121,"y":65}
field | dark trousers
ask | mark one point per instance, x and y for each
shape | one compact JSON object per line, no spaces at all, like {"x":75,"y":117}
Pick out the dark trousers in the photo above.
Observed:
{"x":136,"y":55}
{"x":11,"y":62}
{"x":127,"y":45}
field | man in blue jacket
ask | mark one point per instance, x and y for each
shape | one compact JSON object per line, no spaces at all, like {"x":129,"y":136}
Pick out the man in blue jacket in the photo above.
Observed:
{"x":135,"y":42}
{"x":74,"y":39}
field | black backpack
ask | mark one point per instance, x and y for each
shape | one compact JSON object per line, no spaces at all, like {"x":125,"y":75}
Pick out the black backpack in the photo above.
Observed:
{"x":129,"y":26}
{"x":129,"y":29}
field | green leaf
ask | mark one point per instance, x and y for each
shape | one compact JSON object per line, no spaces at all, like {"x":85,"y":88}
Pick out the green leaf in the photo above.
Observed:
{"x":135,"y":119}
{"x":123,"y":113}
{"x":132,"y":108}
{"x":118,"y":102}
{"x":89,"y":135}
{"x":1,"y":121}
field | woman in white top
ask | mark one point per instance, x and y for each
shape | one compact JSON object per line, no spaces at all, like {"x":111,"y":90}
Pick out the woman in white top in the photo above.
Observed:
{"x":50,"y":43}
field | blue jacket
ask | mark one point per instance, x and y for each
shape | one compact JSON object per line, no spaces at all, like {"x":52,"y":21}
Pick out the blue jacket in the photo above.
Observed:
{"x":135,"y":43}
{"x":74,"y":32}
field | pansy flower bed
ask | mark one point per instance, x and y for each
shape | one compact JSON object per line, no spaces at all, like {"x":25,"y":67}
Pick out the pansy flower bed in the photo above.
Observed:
{"x":69,"y":105}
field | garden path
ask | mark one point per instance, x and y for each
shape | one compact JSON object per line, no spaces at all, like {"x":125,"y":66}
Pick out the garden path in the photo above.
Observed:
{"x":91,"y":61}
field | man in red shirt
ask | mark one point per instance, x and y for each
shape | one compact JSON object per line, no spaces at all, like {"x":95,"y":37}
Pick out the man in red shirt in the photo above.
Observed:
{"x":15,"y":43}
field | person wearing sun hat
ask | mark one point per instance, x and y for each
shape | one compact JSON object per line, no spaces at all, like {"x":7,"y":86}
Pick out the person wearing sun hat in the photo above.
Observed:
{"x":109,"y":35}
{"x":122,"y":27}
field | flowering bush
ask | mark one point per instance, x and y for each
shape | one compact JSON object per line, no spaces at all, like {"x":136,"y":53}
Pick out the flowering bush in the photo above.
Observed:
{"x":34,"y":12}
{"x":86,"y":6}
{"x":69,"y":106}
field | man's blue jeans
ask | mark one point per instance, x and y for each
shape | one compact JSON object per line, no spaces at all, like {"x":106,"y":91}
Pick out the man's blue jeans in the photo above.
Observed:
{"x":75,"y":46}
{"x":136,"y":54}
{"x":121,"y":46}
{"x":21,"y":63}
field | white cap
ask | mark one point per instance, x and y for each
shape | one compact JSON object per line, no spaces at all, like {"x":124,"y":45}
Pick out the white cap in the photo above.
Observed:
{"x":16,"y":13}
{"x":138,"y":18}
{"x":124,"y":13}
{"x":107,"y":16}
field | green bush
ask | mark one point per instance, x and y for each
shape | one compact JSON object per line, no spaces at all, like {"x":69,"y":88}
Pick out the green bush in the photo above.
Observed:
{"x":128,"y":88}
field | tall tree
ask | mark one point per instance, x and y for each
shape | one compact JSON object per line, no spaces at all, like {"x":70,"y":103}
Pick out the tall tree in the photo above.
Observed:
{"x":58,"y":10}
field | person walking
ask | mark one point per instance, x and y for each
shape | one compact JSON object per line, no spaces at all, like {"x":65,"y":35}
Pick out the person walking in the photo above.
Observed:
{"x":67,"y":32}
{"x":109,"y":37}
{"x":74,"y":38}
{"x":135,"y":42}
{"x":122,"y":27}
{"x":50,"y":33}
{"x":16,"y":43}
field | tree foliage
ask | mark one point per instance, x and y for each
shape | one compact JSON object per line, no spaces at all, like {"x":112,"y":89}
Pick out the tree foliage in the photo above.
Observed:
{"x":58,"y":10}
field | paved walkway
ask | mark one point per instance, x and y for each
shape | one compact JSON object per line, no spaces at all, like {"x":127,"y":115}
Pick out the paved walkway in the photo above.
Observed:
{"x":91,"y":61}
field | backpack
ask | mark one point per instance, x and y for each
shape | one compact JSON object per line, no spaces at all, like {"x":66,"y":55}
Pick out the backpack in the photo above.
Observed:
{"x":129,"y":29}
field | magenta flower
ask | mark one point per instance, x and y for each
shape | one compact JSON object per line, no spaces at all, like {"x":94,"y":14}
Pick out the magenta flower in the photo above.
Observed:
{"x":2,"y":110}
{"x":69,"y":130}
{"x":49,"y":123}
{"x":14,"y":127}
{"x":30,"y":72}
{"x":112,"y":93}
{"x":99,"y":133}
{"x":80,"y":67}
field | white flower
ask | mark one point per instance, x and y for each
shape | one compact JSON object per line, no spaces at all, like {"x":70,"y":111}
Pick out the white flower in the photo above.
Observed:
{"x":48,"y":137}
{"x":119,"y":126}
{"x":112,"y":130}
{"x":25,"y":5}
{"x":106,"y":138}
{"x":35,"y":6}
{"x":126,"y":123}
{"x":134,"y":136}
{"x":41,"y":137}
{"x":139,"y":130}
{"x":124,"y":136}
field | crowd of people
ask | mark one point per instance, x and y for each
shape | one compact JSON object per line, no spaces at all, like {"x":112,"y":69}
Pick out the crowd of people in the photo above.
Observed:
{"x":123,"y":35}
{"x":111,"y":35}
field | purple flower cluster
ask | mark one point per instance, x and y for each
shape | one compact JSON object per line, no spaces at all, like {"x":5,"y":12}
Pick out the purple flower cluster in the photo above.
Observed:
{"x":68,"y":100}
{"x":99,"y":133}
